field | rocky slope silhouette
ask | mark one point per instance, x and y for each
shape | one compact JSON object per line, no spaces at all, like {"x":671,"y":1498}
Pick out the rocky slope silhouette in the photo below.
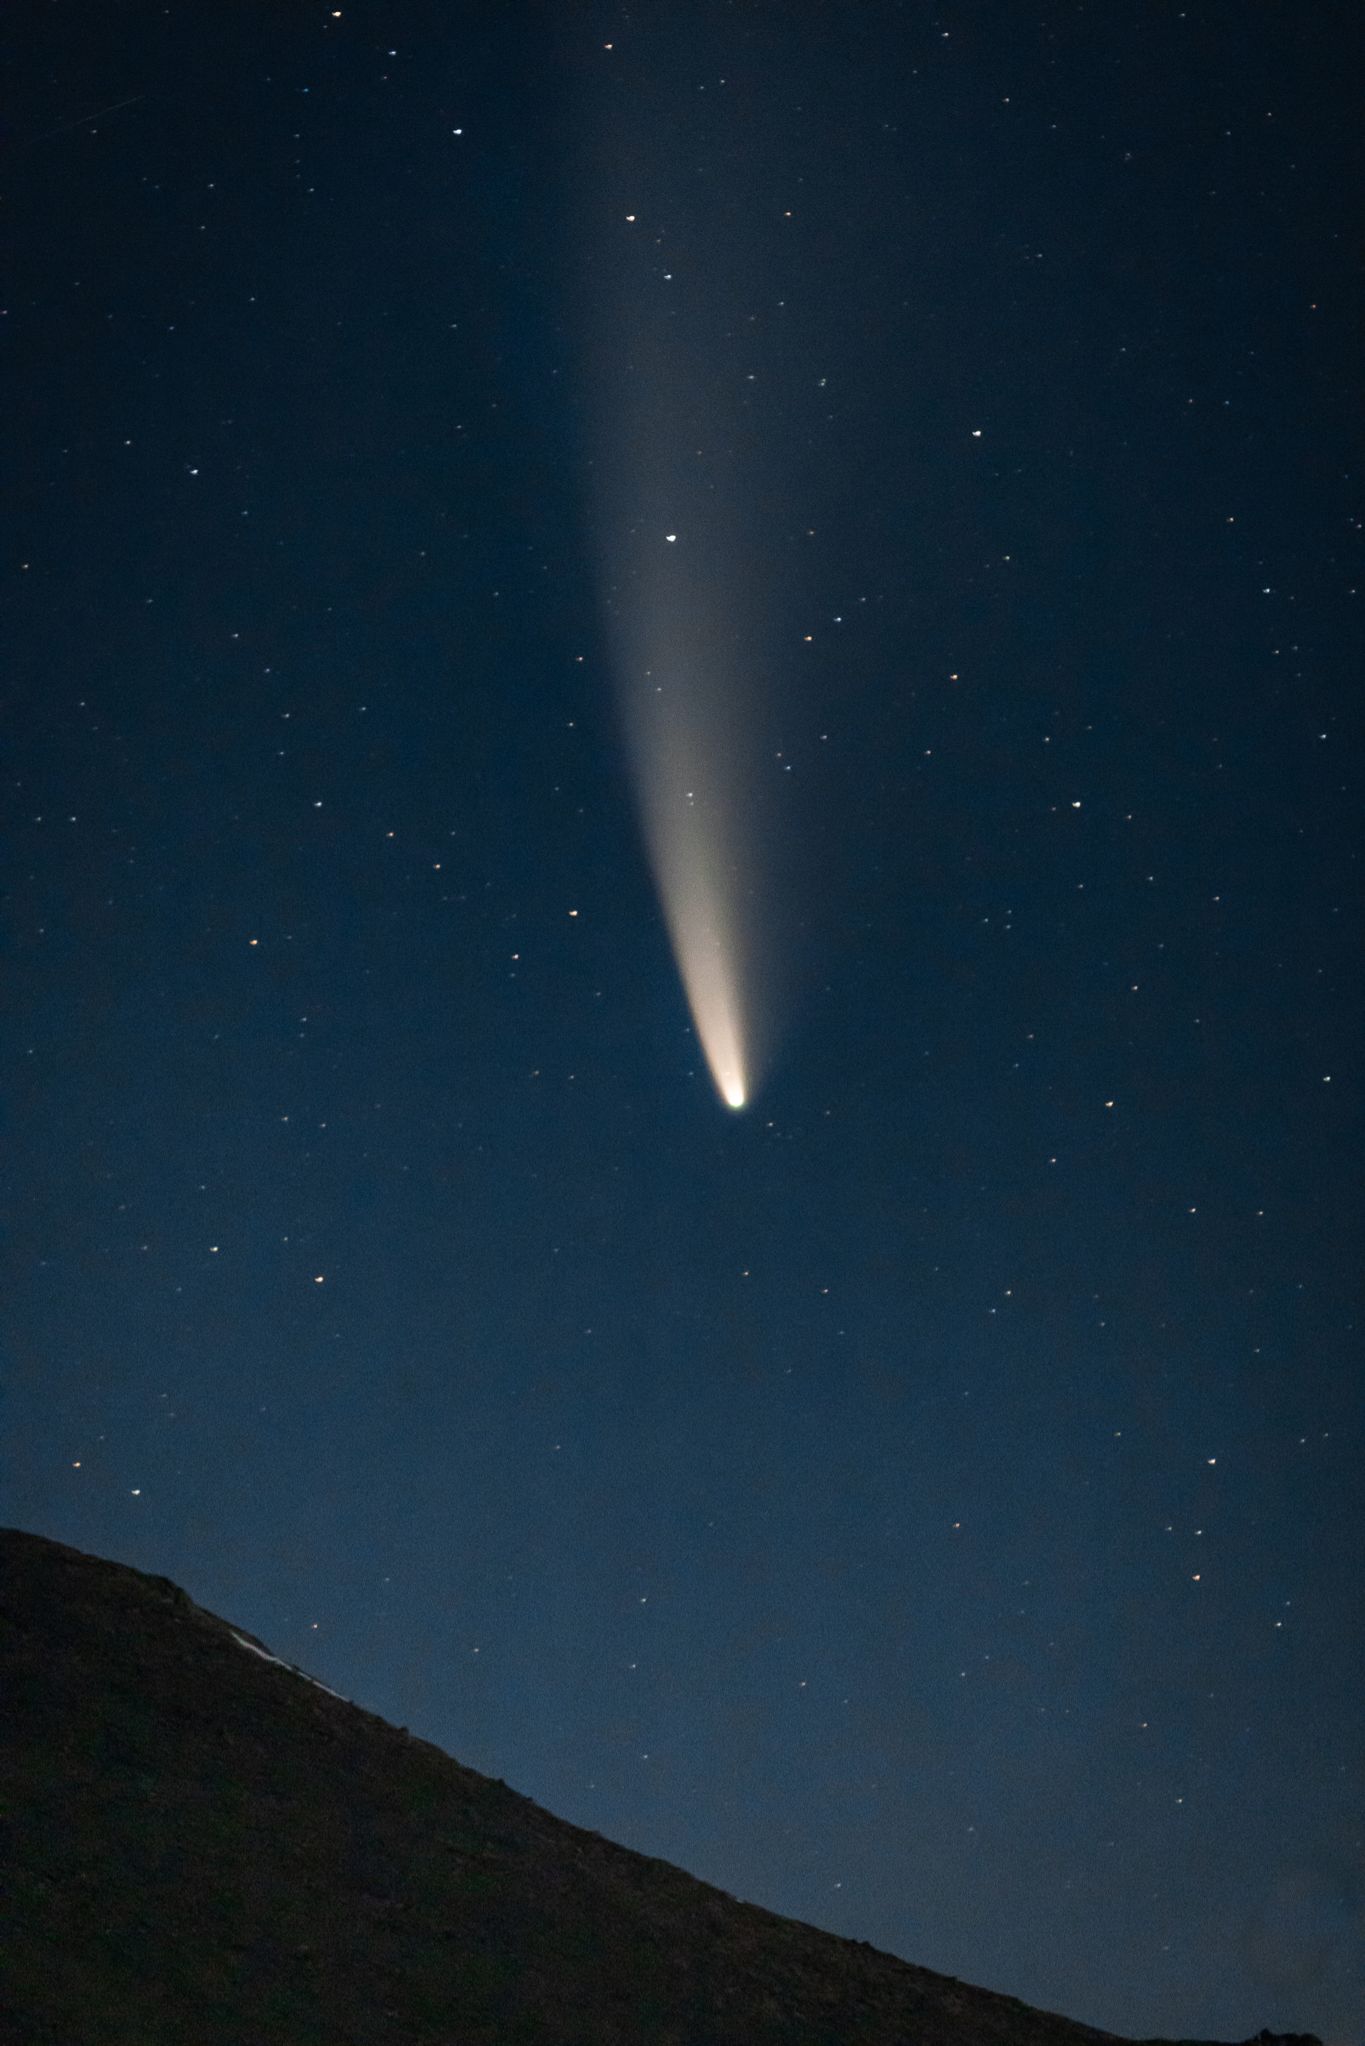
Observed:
{"x":203,"y":1845}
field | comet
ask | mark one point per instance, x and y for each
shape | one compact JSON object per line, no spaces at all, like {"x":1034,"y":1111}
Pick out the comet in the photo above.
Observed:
{"x":687,"y":652}
{"x":679,"y":490}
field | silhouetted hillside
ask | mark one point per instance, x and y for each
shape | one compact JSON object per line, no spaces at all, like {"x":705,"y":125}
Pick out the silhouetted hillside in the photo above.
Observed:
{"x":204,"y":1846}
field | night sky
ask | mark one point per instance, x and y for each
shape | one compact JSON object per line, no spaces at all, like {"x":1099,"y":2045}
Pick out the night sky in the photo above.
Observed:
{"x":924,"y":1502}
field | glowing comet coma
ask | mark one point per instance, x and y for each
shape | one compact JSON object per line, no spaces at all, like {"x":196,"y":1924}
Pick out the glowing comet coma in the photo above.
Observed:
{"x":695,"y":873}
{"x":694,"y":922}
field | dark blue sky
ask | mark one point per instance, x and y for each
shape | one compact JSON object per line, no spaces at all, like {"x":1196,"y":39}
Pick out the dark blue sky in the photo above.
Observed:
{"x":927,"y":1502}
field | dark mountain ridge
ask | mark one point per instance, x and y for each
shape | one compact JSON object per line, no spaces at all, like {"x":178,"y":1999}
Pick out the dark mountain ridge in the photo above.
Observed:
{"x":203,"y":1845}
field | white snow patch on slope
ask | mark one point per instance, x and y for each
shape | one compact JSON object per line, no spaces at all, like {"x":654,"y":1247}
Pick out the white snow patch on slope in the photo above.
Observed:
{"x":279,"y":1663}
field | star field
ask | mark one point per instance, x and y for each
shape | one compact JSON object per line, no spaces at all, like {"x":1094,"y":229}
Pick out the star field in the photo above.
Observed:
{"x":925,"y":1501}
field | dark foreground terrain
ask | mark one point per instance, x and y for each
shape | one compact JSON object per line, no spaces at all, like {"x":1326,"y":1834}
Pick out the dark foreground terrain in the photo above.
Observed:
{"x":201,"y":1845}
